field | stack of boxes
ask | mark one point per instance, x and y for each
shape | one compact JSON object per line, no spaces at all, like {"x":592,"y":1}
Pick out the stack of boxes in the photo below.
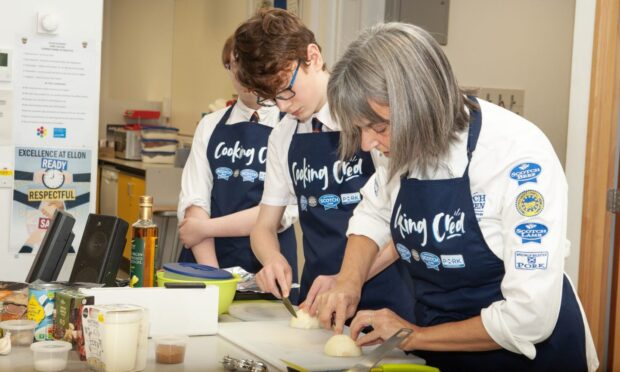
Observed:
{"x":158,"y":143}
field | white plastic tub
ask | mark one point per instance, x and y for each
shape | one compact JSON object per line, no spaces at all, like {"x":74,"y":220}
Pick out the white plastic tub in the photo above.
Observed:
{"x":159,"y":157}
{"x":164,"y":145}
{"x":159,"y":132}
{"x":50,"y":356}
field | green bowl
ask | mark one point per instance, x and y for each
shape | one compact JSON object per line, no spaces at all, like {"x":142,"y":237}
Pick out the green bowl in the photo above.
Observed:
{"x":227,"y":287}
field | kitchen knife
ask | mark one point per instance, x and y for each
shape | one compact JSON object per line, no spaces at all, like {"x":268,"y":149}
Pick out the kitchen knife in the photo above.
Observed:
{"x":287,"y":303}
{"x":377,"y":354}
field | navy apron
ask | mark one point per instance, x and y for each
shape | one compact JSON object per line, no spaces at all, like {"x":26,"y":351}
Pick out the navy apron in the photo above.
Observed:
{"x":455,"y":274}
{"x":237,"y":155}
{"x":327,"y":191}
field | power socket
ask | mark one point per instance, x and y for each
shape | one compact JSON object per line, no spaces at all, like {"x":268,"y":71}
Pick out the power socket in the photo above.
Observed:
{"x":510,"y":99}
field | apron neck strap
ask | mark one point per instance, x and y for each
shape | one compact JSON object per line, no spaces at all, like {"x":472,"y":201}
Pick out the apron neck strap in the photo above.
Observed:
{"x":224,"y":118}
{"x":475,"y":122}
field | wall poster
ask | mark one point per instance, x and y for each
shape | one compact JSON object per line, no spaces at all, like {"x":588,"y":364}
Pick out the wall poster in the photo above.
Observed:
{"x":47,"y":179}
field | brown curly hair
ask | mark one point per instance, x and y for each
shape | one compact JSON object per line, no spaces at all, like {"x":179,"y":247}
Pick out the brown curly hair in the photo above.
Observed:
{"x":227,"y":50}
{"x":264,"y":47}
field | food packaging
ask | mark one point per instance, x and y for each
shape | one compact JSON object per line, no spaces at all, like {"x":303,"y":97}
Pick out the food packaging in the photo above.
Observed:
{"x":116,"y":337}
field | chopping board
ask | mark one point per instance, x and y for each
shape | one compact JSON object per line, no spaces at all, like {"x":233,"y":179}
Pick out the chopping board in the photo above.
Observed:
{"x":272,"y":341}
{"x":251,"y":311}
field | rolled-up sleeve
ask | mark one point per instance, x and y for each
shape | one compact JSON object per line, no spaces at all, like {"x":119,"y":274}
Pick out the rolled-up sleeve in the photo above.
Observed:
{"x":534,"y":233}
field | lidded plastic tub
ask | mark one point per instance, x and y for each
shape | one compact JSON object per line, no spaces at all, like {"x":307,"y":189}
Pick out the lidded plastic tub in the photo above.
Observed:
{"x":164,"y":145}
{"x":159,"y":132}
{"x":50,"y":356}
{"x":160,"y":157}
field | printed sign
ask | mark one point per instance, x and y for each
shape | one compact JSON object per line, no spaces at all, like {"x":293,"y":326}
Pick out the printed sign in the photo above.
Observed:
{"x":47,"y":179}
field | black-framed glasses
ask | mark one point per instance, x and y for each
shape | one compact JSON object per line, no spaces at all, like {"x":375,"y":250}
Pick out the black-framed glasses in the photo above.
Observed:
{"x":283,"y":95}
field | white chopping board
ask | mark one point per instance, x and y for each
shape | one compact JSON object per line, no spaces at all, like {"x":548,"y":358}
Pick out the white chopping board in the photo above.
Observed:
{"x":272,"y":341}
{"x":251,"y":311}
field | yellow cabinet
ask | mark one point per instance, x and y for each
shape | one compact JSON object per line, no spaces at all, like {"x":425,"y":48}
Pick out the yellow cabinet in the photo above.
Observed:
{"x":130,"y":188}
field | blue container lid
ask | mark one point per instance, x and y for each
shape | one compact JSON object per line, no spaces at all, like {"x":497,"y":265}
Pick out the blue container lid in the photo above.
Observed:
{"x":197,"y":270}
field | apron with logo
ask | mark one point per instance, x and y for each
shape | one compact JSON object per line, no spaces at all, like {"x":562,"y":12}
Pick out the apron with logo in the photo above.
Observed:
{"x":455,"y":274}
{"x":327,"y":191}
{"x":237,"y":155}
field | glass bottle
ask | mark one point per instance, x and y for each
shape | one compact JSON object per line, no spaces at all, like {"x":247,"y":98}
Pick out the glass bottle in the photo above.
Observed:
{"x":143,"y":246}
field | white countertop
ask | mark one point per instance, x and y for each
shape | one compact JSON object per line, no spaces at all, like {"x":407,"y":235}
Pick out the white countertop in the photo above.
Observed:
{"x":203,"y":353}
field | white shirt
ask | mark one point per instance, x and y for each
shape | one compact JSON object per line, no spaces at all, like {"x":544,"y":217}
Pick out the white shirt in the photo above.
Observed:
{"x":532,"y":297}
{"x":279,"y":190}
{"x":197,"y":178}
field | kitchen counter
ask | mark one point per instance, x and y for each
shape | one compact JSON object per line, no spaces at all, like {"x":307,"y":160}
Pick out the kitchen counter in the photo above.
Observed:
{"x":203,"y":353}
{"x":132,"y":166}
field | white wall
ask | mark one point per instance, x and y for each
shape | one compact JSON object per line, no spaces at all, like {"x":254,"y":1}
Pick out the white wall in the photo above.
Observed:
{"x":136,"y":57}
{"x":77,"y":19}
{"x":583,"y":36}
{"x":522,"y":44}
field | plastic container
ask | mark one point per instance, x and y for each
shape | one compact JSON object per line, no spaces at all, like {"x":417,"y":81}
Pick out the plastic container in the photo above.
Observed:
{"x":159,"y":157}
{"x":170,"y":349}
{"x":115,"y":337}
{"x":22,"y":331}
{"x":165,"y":145}
{"x":227,"y":288}
{"x":159,"y":132}
{"x":50,"y":356}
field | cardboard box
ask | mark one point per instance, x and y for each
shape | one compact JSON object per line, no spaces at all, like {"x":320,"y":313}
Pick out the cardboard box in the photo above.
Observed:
{"x":67,"y":319}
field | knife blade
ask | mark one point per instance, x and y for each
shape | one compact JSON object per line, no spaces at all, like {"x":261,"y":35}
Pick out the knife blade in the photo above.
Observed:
{"x":377,"y":354}
{"x":287,"y":303}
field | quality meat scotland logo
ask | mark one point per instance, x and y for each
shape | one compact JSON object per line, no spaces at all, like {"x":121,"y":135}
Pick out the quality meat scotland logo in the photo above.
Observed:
{"x":431,"y":260}
{"x":329,"y":201}
{"x":249,"y":175}
{"x":531,"y":232}
{"x":526,"y":172}
{"x":223,"y":173}
{"x":403,"y":252}
{"x":303,"y":203}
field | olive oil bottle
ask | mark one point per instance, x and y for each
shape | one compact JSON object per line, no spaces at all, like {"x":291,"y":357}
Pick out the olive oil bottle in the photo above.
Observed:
{"x":143,"y":246}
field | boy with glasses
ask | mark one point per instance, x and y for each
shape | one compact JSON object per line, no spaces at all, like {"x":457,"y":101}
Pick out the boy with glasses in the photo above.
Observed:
{"x":223,"y":182}
{"x":280,"y":61}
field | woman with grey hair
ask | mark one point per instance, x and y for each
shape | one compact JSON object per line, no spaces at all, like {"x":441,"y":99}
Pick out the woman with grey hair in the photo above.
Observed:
{"x":475,"y":202}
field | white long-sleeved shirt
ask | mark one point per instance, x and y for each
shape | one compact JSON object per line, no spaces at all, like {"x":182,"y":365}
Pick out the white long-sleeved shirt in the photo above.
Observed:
{"x":510,"y":149}
{"x":197,"y":178}
{"x":279,"y":189}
